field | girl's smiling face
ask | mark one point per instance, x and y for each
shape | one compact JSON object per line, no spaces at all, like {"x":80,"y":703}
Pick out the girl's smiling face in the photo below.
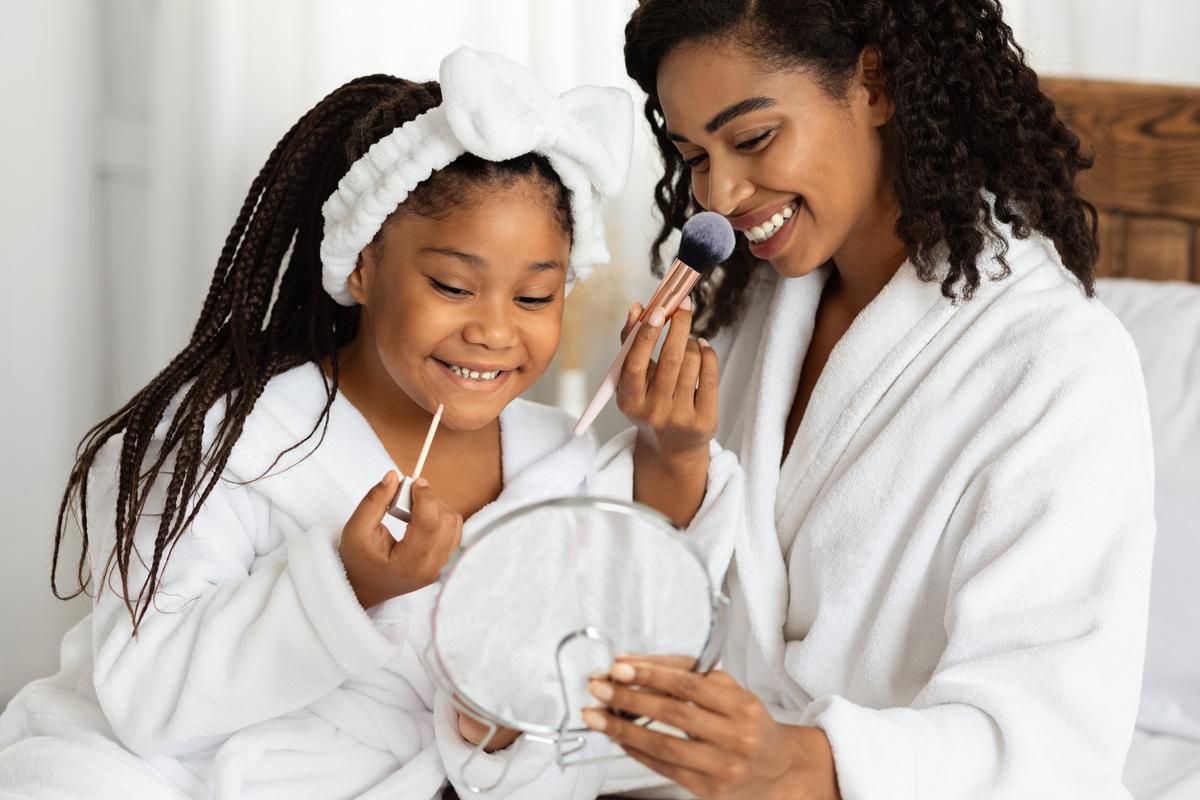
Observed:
{"x":465,"y":309}
{"x":801,"y":174}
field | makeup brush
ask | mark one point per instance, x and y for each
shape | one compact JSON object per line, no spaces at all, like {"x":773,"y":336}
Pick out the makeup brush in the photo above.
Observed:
{"x":402,"y":507}
{"x":707,"y":241}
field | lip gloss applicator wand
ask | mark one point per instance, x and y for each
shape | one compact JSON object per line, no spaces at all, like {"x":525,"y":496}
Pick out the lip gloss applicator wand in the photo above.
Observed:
{"x":707,"y":241}
{"x":402,"y":507}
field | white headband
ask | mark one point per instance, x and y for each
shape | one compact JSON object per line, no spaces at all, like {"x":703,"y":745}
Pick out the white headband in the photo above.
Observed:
{"x":496,"y":109}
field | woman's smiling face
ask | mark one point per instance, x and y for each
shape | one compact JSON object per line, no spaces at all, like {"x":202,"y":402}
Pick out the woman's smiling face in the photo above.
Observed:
{"x":465,"y":309}
{"x":801,"y":174}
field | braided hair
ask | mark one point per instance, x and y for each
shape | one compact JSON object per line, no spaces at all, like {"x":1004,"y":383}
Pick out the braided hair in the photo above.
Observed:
{"x":969,"y":116}
{"x":265,"y":312}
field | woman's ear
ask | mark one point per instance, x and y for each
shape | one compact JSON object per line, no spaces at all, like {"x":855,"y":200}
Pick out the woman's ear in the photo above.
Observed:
{"x":359,"y":281}
{"x":871,"y":78}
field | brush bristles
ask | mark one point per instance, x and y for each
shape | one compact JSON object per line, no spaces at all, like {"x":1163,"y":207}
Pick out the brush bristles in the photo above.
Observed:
{"x":707,"y":241}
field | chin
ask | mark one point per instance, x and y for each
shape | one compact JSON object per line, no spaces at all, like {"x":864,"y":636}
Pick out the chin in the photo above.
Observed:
{"x":795,"y":266}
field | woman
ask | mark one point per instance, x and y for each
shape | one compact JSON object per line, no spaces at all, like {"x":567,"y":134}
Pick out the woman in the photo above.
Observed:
{"x":940,"y":588}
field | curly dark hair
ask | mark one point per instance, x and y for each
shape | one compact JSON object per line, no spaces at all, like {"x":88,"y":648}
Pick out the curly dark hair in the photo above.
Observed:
{"x":261,"y":316}
{"x":969,"y":116}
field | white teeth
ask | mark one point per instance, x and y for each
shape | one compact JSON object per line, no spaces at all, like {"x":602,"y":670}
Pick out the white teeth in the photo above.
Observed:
{"x":471,"y":374}
{"x":760,"y":233}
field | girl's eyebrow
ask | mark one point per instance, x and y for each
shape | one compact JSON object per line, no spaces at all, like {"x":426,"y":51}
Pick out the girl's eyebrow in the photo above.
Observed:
{"x":475,"y":261}
{"x":467,"y":258}
{"x":727,"y":115}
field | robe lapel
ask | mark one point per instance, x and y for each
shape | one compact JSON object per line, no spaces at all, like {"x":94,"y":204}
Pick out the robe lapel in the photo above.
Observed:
{"x":881,"y":342}
{"x":760,"y":571}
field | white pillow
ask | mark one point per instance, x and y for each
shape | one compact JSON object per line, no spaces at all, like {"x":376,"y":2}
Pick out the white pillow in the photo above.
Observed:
{"x":1164,"y":320}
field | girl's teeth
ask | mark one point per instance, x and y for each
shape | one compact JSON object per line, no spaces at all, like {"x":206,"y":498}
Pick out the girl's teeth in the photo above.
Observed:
{"x":472,"y":374}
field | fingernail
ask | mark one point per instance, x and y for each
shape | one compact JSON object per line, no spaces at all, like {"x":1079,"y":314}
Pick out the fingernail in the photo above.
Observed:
{"x":704,"y":342}
{"x":601,"y":690}
{"x":388,"y":478}
{"x":686,"y":305}
{"x":594,"y":719}
{"x":657,"y":318}
{"x":623,"y":672}
{"x":422,"y":483}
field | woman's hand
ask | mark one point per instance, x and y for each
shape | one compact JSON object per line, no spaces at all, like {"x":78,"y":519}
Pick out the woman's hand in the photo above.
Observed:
{"x":673,"y":405}
{"x":380,"y":568}
{"x":474,"y":732}
{"x":673,"y":402}
{"x":734,"y":748}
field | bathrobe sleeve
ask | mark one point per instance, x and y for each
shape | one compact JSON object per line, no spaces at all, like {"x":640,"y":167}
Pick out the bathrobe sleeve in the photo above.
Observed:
{"x":232,"y":638}
{"x":722,"y":511}
{"x":1047,"y":605}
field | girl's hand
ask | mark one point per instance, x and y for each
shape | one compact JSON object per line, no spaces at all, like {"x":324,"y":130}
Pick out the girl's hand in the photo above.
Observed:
{"x":474,"y":732}
{"x":380,"y":568}
{"x":734,"y":748}
{"x":672,"y":402}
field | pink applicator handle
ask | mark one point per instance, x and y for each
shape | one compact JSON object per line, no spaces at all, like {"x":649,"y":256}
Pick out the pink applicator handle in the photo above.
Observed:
{"x":678,"y":283}
{"x":608,"y":385}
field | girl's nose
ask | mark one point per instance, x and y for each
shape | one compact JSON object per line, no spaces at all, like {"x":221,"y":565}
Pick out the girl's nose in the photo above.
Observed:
{"x":491,"y":326}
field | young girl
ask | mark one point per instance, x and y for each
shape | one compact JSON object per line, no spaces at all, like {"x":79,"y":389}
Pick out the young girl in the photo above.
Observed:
{"x":943,"y":585}
{"x":257,"y":632}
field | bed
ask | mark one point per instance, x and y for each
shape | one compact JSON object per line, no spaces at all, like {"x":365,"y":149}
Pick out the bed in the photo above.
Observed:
{"x":1146,"y":186}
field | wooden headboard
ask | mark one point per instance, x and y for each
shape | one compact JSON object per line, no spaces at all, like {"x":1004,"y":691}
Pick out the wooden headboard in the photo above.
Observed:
{"x":1146,"y":179}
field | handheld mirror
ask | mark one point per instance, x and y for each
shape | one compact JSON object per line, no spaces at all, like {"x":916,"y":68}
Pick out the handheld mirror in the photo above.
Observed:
{"x":547,"y":595}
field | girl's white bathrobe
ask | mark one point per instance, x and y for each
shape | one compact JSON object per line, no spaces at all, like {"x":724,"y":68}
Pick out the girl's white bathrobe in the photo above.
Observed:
{"x":949,"y":573}
{"x":257,"y":674}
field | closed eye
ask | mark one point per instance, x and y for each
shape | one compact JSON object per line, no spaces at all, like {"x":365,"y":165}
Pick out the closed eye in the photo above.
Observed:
{"x":536,"y":302}
{"x":449,"y":291}
{"x":750,"y":144}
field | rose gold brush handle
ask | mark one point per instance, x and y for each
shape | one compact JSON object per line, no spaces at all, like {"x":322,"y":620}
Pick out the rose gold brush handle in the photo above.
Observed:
{"x":678,"y":283}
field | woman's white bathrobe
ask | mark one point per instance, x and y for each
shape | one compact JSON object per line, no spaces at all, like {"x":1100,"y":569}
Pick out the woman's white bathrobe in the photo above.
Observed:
{"x":949,"y":573}
{"x":257,"y":675}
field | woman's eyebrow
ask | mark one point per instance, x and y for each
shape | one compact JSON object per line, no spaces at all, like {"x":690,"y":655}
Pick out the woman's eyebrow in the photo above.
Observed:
{"x":727,"y":115}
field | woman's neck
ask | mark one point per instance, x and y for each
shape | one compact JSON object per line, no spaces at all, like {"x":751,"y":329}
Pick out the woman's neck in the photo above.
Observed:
{"x":870,"y":257}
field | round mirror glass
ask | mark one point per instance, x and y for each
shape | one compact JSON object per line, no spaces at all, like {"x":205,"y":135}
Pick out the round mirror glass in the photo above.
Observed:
{"x":556,"y":589}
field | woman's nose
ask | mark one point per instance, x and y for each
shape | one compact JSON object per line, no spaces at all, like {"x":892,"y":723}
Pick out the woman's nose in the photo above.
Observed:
{"x":491,"y":325}
{"x":726,"y":187}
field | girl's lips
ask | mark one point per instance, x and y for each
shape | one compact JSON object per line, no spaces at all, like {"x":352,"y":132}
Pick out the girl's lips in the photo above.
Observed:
{"x":772,"y":247}
{"x":470,"y":384}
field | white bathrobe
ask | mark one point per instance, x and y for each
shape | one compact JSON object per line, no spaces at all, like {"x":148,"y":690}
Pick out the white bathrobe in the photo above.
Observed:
{"x":257,"y":674}
{"x":949,"y":573}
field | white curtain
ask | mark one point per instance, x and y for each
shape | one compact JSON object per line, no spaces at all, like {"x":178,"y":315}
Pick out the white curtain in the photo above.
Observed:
{"x":1153,"y":41}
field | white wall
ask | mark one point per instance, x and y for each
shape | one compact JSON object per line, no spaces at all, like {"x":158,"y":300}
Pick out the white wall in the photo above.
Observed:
{"x":49,"y":321}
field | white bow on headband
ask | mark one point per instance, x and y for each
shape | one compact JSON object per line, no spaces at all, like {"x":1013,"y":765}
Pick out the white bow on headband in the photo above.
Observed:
{"x":495,"y":109}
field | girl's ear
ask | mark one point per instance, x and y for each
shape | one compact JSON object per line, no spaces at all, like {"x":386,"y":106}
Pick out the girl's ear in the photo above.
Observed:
{"x":359,"y":280}
{"x":870,"y":77}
